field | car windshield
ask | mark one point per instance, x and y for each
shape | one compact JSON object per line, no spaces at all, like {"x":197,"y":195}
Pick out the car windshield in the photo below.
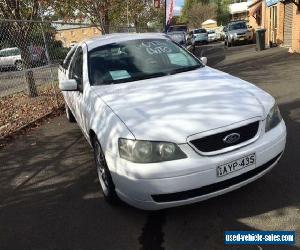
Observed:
{"x":211,"y":32}
{"x":177,"y":37}
{"x":177,"y":28}
{"x":199,"y":31}
{"x":137,"y":60}
{"x":237,"y":26}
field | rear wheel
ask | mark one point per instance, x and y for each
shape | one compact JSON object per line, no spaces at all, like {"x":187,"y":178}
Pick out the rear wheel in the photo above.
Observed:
{"x":104,"y":176}
{"x":69,"y":114}
{"x":19,"y":65}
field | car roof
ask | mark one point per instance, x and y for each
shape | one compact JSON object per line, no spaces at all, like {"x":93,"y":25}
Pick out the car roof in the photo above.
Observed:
{"x":7,"y":49}
{"x":121,"y":37}
{"x":199,"y":29}
{"x":237,"y":21}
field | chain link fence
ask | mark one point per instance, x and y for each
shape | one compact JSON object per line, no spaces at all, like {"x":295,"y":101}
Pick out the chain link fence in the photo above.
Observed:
{"x":30,"y":53}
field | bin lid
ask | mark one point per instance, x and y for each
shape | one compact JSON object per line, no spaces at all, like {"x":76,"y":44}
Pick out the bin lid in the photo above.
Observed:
{"x":260,"y":29}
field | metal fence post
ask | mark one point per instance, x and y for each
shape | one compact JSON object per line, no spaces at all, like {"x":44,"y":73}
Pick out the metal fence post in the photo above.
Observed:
{"x":49,"y":63}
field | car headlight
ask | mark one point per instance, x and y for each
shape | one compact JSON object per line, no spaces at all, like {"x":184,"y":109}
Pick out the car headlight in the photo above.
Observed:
{"x":149,"y":151}
{"x":273,"y":119}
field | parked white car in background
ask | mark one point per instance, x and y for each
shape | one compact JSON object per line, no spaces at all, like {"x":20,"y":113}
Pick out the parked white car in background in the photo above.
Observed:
{"x":212,"y":36}
{"x":166,"y":129}
{"x":11,"y":57}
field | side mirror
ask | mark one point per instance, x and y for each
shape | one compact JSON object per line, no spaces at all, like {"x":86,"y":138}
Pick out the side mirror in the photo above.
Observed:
{"x":204,"y":60}
{"x":68,"y":85}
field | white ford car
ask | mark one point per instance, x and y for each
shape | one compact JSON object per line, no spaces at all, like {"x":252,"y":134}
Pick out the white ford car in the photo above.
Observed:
{"x":166,"y":129}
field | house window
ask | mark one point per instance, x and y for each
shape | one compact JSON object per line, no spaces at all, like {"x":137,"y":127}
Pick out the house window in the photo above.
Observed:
{"x":72,"y":33}
{"x":84,"y":31}
{"x":61,"y":34}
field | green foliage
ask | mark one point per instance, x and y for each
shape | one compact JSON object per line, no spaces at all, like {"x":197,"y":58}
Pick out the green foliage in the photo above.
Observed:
{"x":223,"y":14}
{"x":189,"y":12}
{"x":188,"y":5}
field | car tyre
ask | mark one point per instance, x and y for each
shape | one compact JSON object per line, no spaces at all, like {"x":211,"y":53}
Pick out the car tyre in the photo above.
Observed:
{"x":19,"y":65}
{"x":69,"y":114}
{"x":104,"y":176}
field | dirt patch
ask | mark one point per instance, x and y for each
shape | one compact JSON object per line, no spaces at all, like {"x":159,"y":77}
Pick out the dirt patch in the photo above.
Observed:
{"x":18,"y":111}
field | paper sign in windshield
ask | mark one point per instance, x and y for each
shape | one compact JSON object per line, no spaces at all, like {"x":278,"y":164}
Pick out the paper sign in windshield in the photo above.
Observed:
{"x":119,"y":74}
{"x":178,"y":59}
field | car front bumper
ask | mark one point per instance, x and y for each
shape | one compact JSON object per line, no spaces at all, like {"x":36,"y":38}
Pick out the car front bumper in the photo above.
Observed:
{"x":174,"y":183}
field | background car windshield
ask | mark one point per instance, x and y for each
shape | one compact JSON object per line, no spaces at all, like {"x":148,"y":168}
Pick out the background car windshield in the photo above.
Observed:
{"x":177,"y":28}
{"x":199,"y":31}
{"x":138,"y":59}
{"x":177,"y":37}
{"x":237,"y":26}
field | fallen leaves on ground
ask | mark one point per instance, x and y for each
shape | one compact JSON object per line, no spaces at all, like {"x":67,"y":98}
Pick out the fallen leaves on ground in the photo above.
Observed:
{"x":18,"y":110}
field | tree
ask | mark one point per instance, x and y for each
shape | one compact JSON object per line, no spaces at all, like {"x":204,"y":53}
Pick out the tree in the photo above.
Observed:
{"x":140,"y":13}
{"x":21,"y":31}
{"x":108,"y":13}
{"x":99,"y":12}
{"x":188,"y":5}
{"x":223,"y":14}
{"x":200,"y":13}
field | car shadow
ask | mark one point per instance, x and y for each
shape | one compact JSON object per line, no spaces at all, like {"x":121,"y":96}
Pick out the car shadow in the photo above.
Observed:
{"x":50,"y":199}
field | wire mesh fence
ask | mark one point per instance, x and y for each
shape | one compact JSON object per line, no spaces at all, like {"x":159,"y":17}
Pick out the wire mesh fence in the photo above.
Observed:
{"x":30,"y":53}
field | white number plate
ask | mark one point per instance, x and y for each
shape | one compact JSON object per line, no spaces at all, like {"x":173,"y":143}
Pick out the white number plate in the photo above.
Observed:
{"x":236,"y":165}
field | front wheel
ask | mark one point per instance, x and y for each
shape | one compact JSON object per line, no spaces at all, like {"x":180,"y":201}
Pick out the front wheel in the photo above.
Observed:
{"x":104,"y":176}
{"x":69,"y":114}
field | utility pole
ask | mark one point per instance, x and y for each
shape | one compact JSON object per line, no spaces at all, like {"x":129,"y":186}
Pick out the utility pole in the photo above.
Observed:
{"x":127,"y":10}
{"x":165,"y":18}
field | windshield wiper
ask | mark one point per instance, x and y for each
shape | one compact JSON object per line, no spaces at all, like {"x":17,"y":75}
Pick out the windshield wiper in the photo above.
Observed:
{"x":185,"y":69}
{"x":135,"y":78}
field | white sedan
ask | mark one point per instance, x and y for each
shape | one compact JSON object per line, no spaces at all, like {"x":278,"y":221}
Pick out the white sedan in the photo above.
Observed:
{"x":166,"y":129}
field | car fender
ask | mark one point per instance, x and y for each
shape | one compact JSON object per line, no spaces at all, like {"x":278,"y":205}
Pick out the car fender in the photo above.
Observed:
{"x":107,"y":126}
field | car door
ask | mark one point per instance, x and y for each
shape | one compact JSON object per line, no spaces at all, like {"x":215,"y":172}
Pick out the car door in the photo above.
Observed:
{"x":76,"y":100}
{"x":15,"y":56}
{"x":10,"y":58}
{"x":2,"y":58}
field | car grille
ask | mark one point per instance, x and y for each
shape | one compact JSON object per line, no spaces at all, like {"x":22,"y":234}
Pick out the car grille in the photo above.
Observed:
{"x":241,"y":34}
{"x":215,"y":142}
{"x":184,"y":195}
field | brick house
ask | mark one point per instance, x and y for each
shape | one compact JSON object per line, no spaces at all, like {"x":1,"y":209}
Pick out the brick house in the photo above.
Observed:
{"x":281,"y":19}
{"x":70,"y":34}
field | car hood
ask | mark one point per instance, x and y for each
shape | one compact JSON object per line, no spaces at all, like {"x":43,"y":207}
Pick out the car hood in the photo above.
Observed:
{"x":171,"y":108}
{"x":200,"y":34}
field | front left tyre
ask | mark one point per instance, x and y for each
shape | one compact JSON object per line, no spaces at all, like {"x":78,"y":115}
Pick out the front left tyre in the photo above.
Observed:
{"x":69,"y":114}
{"x":104,"y":176}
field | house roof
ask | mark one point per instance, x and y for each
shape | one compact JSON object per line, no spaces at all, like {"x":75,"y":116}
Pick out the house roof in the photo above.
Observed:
{"x":235,"y":8}
{"x":209,"y":21}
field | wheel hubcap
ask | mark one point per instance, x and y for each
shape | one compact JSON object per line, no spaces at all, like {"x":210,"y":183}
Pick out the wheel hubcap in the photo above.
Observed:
{"x":102,"y":173}
{"x":19,"y":66}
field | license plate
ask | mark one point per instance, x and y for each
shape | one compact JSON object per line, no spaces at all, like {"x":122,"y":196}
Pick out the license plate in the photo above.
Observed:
{"x":242,"y":38}
{"x":236,"y":165}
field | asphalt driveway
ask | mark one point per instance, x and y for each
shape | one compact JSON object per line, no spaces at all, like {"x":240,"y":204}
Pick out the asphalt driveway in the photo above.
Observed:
{"x":50,"y":198}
